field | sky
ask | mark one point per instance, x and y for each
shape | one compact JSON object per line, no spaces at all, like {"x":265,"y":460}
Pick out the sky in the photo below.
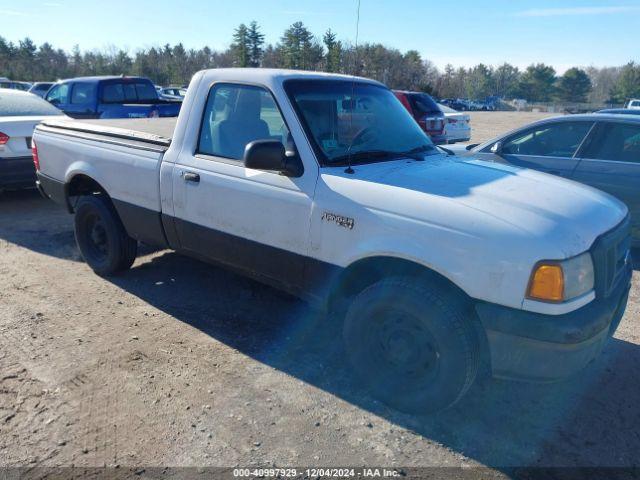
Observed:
{"x":562,"y":33}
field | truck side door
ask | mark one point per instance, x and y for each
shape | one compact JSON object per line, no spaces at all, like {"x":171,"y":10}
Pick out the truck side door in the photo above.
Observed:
{"x":257,"y":221}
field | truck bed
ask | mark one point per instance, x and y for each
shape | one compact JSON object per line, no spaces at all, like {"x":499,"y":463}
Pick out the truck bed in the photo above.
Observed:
{"x":140,"y":132}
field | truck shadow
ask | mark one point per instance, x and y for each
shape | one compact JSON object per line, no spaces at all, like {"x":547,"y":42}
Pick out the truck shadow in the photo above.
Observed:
{"x":28,"y":220}
{"x":590,"y":420}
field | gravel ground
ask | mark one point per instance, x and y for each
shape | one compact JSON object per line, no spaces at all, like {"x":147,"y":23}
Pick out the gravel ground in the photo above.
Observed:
{"x":183,"y":364}
{"x":486,"y":125}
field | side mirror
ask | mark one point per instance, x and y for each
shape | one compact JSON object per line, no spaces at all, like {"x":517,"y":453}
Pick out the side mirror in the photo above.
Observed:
{"x":270,"y":155}
{"x":496,"y":148}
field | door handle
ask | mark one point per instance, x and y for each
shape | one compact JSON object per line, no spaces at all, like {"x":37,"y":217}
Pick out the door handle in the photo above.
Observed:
{"x":190,"y":177}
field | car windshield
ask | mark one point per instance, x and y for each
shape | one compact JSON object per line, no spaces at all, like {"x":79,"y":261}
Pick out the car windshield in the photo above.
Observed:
{"x":22,"y":105}
{"x":356,"y":122}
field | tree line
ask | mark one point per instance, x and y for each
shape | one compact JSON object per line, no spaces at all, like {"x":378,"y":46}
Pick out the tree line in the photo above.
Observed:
{"x":299,"y":48}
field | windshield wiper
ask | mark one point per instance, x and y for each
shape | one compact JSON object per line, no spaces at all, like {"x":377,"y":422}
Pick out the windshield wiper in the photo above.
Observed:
{"x":370,"y":156}
{"x":364,"y":156}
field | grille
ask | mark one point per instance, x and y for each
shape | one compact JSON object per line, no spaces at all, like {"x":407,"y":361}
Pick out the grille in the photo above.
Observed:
{"x":611,"y":258}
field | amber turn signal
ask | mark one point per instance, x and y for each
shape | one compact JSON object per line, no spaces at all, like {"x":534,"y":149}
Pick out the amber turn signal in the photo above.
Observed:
{"x":547,"y":283}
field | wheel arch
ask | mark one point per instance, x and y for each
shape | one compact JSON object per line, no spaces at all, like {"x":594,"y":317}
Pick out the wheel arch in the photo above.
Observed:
{"x":82,"y":184}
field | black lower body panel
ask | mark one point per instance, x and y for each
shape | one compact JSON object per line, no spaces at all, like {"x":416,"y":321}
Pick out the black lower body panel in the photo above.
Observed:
{"x":532,"y":346}
{"x":17,"y":173}
{"x":52,"y":189}
{"x":141,"y":223}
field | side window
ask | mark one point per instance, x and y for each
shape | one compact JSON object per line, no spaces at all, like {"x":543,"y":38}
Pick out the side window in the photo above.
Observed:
{"x":236,"y":115}
{"x":615,"y":141}
{"x":549,"y":140}
{"x":113,"y":93}
{"x":58,"y":94}
{"x":82,"y":93}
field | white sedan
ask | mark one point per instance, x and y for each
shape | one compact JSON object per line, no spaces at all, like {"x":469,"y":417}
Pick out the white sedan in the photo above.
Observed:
{"x":20,"y":112}
{"x":457,"y":127}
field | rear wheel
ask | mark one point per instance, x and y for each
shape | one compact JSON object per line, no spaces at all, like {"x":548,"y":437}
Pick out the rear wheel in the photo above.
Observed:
{"x":101,"y":237}
{"x":412,"y":344}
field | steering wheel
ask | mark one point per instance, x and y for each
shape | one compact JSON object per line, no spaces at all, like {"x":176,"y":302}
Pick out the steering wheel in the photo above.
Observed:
{"x":361,"y":136}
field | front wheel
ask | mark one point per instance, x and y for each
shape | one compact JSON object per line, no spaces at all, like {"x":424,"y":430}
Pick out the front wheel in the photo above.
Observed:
{"x":412,"y":344}
{"x":101,"y":237}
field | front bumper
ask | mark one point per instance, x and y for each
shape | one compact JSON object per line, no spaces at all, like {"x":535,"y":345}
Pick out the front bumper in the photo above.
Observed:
{"x":17,"y":173}
{"x":532,"y":346}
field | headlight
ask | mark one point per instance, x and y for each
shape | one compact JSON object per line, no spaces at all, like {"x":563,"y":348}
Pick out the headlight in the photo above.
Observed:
{"x":560,"y":281}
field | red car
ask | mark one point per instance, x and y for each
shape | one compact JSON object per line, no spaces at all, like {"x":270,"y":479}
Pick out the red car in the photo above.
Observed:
{"x":426,"y":112}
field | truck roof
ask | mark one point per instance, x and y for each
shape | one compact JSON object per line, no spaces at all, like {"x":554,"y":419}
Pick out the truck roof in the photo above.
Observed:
{"x":98,"y":78}
{"x":269,"y":75}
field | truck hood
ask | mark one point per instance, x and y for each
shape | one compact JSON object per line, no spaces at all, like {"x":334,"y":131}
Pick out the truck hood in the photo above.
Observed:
{"x":548,"y":209}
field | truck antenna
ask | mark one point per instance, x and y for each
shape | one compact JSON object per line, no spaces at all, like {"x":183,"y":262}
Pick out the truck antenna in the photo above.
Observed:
{"x":353,"y":86}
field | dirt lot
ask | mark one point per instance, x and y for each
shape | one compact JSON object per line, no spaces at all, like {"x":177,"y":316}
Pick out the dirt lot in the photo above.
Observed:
{"x":180,"y":363}
{"x":486,"y":125}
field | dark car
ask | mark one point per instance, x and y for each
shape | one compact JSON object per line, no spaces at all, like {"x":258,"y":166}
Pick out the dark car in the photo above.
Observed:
{"x":426,"y":112}
{"x":110,"y":97}
{"x":601,"y":150}
{"x":40,"y":88}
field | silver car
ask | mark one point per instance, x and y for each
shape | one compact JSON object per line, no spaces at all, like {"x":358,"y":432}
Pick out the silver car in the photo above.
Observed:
{"x":601,"y":150}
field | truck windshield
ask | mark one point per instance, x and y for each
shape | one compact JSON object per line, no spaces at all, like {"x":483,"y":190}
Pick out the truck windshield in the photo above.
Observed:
{"x":355,"y":121}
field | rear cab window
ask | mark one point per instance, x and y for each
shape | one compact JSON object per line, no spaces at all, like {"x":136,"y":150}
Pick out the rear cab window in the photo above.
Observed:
{"x":128,"y":91}
{"x":423,"y":104}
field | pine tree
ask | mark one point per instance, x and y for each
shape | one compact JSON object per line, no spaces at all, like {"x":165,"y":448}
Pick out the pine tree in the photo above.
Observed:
{"x":240,"y":46}
{"x":334,"y":52}
{"x":255,"y":41}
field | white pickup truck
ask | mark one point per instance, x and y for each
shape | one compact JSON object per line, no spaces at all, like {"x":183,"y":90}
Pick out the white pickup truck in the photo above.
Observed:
{"x":324,"y":186}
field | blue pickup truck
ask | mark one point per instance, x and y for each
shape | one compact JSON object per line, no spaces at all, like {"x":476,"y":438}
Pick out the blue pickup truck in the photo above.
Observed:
{"x":110,"y":97}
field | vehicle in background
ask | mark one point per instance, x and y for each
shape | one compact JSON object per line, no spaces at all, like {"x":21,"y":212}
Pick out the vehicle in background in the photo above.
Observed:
{"x":110,"y":97}
{"x":13,"y":85}
{"x":457,"y":127}
{"x":633,"y":104}
{"x":40,"y":88}
{"x":432,"y":266}
{"x":601,"y":150}
{"x":455,"y":104}
{"x":20,"y":112}
{"x":621,"y":111}
{"x":176,"y":93}
{"x":426,"y":112}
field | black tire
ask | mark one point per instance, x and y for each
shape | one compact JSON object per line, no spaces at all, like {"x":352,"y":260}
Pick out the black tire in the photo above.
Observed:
{"x":412,"y":344}
{"x":101,"y":237}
